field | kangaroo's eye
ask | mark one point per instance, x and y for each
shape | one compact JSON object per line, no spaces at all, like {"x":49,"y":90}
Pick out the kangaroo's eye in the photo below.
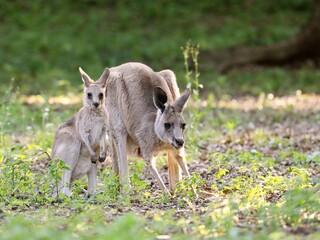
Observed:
{"x":89,"y":95}
{"x":183,"y":126}
{"x":101,"y":96}
{"x":167,"y":126}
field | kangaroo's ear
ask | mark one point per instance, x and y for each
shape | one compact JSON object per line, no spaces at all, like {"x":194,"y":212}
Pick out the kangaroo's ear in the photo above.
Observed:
{"x":85,"y":78}
{"x":103,"y":79}
{"x":180,"y":103}
{"x":160,"y":98}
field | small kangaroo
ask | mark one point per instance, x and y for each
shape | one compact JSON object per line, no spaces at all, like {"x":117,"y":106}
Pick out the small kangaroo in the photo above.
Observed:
{"x":81,"y":140}
{"x":145,"y":117}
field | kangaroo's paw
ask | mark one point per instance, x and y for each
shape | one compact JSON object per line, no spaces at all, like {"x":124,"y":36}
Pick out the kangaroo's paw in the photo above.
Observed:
{"x":102,"y":157}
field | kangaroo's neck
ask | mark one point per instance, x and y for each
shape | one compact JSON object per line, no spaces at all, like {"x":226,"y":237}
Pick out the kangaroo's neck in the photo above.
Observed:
{"x":99,"y":111}
{"x":96,"y":111}
{"x":156,"y":124}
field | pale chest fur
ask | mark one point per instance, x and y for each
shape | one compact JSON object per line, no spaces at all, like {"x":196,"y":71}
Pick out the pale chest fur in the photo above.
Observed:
{"x":93,"y":124}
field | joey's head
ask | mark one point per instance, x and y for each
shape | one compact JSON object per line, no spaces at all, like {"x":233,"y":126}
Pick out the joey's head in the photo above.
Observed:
{"x":170,"y":124}
{"x":94,"y":91}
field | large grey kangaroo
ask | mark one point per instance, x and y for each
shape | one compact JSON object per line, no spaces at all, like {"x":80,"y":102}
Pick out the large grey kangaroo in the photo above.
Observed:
{"x":81,"y":140}
{"x":145,"y":115}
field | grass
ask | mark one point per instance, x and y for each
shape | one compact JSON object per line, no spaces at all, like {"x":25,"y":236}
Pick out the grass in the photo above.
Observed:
{"x":253,"y":153}
{"x":255,"y":165}
{"x":46,"y":42}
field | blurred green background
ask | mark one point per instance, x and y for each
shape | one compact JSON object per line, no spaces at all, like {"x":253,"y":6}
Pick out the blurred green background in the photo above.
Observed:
{"x":43,"y":43}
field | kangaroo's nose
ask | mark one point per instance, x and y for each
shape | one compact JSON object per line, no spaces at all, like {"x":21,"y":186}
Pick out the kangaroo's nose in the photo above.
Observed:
{"x":96,"y":104}
{"x":179,"y":142}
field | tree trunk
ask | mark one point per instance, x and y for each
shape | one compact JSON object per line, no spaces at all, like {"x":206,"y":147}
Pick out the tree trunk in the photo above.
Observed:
{"x":302,"y":46}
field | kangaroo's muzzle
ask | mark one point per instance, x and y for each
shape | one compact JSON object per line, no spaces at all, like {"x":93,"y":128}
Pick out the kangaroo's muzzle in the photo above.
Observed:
{"x":96,"y":104}
{"x":178,"y":143}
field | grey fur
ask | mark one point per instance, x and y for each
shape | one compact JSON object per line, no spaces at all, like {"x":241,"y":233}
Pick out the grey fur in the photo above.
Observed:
{"x":81,"y":140}
{"x":138,"y":110}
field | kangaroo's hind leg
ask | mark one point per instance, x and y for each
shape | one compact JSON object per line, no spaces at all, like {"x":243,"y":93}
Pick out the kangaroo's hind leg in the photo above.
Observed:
{"x":120,"y":141}
{"x":92,"y":179}
{"x":114,"y":157}
{"x":66,"y":148}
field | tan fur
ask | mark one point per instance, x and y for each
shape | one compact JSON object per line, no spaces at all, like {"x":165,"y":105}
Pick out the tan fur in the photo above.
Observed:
{"x":81,"y":140}
{"x":137,"y":109}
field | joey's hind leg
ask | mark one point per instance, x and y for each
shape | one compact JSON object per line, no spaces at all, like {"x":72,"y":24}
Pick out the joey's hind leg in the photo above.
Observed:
{"x":64,"y":184}
{"x":68,"y":150}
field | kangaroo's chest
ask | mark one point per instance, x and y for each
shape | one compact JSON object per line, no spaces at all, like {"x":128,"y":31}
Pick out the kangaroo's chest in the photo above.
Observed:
{"x":95,"y":126}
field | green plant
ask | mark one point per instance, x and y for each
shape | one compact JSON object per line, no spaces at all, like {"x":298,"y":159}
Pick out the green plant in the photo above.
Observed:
{"x":191,"y":52}
{"x":111,"y":188}
{"x":301,"y":177}
{"x":55,"y":170}
{"x":188,"y":187}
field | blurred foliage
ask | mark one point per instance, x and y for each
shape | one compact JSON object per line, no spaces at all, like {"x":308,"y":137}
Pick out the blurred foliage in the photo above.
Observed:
{"x":43,"y":43}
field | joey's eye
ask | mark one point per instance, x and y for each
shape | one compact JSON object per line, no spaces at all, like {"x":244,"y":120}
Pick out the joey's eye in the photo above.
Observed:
{"x":101,"y":96}
{"x":183,"y":126}
{"x":89,"y":95}
{"x":167,"y":126}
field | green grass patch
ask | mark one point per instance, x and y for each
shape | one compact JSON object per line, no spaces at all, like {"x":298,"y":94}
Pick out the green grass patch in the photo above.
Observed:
{"x":253,"y":182}
{"x":44,"y":43}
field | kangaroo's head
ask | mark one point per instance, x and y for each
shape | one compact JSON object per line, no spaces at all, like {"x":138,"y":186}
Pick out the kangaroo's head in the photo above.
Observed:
{"x":94,"y":91}
{"x":170,"y":123}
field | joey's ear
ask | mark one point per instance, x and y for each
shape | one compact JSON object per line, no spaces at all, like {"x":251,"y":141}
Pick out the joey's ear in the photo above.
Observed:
{"x":85,"y":78}
{"x":180,"y":103}
{"x":103,"y":79}
{"x":160,"y":98}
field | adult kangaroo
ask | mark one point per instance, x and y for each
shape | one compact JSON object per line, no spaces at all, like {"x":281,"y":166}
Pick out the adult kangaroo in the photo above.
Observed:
{"x":145,"y":117}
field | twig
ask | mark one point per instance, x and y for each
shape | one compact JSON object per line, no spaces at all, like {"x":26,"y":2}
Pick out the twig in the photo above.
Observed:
{"x":44,"y":152}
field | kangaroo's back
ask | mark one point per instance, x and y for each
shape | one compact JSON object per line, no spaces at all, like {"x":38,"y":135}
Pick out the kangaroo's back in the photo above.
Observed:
{"x":130,"y":93}
{"x":171,"y":81}
{"x":67,"y":134}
